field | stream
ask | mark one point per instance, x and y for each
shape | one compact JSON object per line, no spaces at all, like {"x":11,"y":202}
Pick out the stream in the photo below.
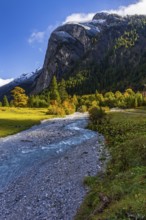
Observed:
{"x":42,"y":169}
{"x":13,"y":163}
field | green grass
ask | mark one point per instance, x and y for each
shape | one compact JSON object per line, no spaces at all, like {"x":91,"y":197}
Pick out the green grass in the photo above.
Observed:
{"x":14,"y":120}
{"x":124,"y":183}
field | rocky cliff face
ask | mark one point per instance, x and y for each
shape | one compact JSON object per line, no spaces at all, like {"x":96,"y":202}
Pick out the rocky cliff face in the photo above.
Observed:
{"x":106,"y":53}
{"x":70,"y":43}
{"x":110,"y":43}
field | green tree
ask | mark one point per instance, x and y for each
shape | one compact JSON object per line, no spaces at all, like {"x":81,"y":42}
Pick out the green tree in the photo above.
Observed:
{"x":11,"y":103}
{"x":109,"y":99}
{"x":118,"y":95}
{"x":130,"y":92}
{"x":31,"y":101}
{"x":5,"y":101}
{"x":20,"y":99}
{"x":75,"y":100}
{"x":62,"y":90}
{"x":139,"y":98}
{"x":54,"y":93}
{"x":99,"y":97}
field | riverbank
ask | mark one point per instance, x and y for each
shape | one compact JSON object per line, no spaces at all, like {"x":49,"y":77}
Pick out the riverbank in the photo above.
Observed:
{"x":121,"y":192}
{"x":42,"y":169}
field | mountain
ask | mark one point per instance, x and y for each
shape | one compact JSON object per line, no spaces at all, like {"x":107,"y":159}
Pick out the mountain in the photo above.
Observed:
{"x":26,"y":81}
{"x":107,"y":53}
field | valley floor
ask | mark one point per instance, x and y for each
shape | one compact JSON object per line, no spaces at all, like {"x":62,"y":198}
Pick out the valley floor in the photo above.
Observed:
{"x":42,"y":169}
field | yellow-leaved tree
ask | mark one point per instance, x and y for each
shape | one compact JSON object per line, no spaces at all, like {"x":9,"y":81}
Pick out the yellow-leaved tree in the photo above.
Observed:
{"x":20,"y":99}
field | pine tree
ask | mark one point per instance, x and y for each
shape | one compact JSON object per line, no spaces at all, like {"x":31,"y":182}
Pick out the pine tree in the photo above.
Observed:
{"x":54,"y":94}
{"x":75,"y":100}
{"x":31,"y":101}
{"x":5,"y":102}
{"x":62,"y":90}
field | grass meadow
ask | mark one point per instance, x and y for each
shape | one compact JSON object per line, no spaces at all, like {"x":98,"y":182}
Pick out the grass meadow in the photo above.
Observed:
{"x":14,"y":120}
{"x":119,"y":194}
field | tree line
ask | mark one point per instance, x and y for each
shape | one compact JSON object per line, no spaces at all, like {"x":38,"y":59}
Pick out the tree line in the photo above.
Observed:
{"x":58,"y":101}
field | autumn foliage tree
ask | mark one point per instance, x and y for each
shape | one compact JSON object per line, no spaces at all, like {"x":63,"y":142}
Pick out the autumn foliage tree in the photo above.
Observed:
{"x":20,"y":99}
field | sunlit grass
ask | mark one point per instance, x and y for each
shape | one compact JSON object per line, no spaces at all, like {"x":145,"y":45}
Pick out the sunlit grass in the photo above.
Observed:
{"x":14,"y":120}
{"x":124,"y":183}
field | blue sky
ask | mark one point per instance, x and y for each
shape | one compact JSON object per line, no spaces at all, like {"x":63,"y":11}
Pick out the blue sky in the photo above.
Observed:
{"x":25,"y":26}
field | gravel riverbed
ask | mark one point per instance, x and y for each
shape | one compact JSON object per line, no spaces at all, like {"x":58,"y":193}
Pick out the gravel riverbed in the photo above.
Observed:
{"x":42,"y":169}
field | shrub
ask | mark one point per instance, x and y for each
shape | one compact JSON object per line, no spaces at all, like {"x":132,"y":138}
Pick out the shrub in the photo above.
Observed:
{"x":97,"y":114}
{"x":55,"y":110}
{"x":68,"y":107}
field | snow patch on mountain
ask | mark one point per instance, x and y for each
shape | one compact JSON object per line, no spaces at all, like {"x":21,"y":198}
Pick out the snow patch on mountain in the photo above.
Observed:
{"x":5,"y":81}
{"x":99,"y":21}
{"x":24,"y":77}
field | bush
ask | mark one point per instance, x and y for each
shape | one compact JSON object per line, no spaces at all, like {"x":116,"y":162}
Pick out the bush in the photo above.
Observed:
{"x":68,"y":107}
{"x":55,"y":110}
{"x":97,"y":114}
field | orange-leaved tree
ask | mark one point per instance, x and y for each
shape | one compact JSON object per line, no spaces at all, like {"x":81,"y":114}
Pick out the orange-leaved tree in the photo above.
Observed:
{"x":20,"y":99}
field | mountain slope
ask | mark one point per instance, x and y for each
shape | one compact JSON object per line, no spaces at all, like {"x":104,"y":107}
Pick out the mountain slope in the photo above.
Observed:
{"x":107,"y":53}
{"x":26,"y":81}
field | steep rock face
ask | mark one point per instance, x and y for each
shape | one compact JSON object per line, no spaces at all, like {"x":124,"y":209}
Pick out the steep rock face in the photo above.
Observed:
{"x":107,"y":53}
{"x":73,"y":47}
{"x":67,"y":45}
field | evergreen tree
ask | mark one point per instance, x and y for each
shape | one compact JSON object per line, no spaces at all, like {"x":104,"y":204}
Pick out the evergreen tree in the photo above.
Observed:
{"x":54,"y":93}
{"x":31,"y":101}
{"x":75,"y":100}
{"x":11,"y":103}
{"x":48,"y":98}
{"x":5,"y":102}
{"x":62,"y":90}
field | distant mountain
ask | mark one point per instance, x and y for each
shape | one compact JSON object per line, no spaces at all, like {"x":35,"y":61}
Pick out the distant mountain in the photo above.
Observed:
{"x":26,"y":81}
{"x":5,"y":81}
{"x":107,"y":53}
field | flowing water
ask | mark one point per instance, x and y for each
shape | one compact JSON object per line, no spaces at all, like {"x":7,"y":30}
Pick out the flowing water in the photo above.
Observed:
{"x":18,"y":153}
